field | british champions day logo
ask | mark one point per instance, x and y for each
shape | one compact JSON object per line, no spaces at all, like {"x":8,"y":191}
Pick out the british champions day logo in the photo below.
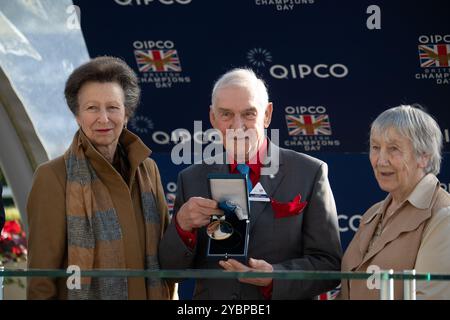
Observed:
{"x":159,"y":63}
{"x":309,"y":128}
{"x":434,"y":58}
{"x":283,"y":5}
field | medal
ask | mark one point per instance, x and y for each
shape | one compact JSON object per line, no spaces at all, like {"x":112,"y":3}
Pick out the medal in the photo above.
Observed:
{"x":219,"y":228}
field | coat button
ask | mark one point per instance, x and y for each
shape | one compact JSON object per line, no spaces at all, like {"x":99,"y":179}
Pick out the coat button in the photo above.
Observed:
{"x":235,"y":296}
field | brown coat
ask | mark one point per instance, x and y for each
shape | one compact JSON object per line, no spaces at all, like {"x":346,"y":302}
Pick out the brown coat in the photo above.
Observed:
{"x":400,"y":241}
{"x":46,"y":208}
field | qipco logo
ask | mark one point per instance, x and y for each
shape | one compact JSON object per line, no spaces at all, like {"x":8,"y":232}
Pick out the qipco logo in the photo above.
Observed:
{"x":175,"y":1}
{"x":302,"y":71}
{"x":147,"y":2}
{"x":425,"y":39}
{"x":153,"y":44}
{"x":305,"y":109}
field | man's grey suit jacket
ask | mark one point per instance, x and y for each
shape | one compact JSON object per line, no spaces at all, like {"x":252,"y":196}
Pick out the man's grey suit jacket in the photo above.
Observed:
{"x":308,"y":241}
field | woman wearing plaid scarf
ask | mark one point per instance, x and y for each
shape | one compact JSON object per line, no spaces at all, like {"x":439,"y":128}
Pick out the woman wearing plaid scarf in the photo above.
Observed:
{"x":101,"y":205}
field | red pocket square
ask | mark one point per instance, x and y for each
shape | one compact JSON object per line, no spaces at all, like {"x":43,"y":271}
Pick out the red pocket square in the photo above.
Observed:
{"x":287,"y":209}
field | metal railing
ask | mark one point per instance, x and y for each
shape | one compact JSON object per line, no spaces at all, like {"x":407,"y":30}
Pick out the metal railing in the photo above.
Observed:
{"x":386,"y":277}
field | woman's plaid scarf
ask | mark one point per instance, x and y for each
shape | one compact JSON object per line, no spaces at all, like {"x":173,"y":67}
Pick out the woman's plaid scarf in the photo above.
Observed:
{"x":94,"y":231}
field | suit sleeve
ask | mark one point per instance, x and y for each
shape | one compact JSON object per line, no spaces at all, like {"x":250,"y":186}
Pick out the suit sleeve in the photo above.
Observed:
{"x":173,"y":252}
{"x":47,"y":231}
{"x":321,"y":244}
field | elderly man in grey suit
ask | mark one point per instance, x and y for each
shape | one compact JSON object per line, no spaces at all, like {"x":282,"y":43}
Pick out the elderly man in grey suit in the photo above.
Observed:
{"x":296,"y":230}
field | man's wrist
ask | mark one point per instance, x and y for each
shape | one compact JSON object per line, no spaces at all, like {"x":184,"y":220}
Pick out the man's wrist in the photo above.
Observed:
{"x":181,"y":225}
{"x":189,"y":238}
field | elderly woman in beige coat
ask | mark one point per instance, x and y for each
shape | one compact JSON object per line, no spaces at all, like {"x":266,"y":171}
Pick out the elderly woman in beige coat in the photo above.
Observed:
{"x":101,"y":204}
{"x":410,"y":229}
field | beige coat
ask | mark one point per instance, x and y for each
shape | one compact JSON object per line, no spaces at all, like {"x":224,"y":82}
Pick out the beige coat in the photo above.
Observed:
{"x":47,"y":238}
{"x":416,"y":236}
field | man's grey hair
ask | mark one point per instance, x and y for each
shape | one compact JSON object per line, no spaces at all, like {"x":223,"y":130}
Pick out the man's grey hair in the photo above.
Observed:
{"x":243,"y":78}
{"x":419,"y":127}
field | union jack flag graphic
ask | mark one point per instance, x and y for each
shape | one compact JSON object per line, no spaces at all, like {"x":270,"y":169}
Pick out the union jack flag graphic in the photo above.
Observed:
{"x":157,"y":60}
{"x":329,"y":295}
{"x":434,"y":55}
{"x":170,"y":200}
{"x":308,"y":125}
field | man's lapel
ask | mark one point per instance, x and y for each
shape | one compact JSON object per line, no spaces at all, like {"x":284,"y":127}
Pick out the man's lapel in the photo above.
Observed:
{"x":219,"y":168}
{"x":270,"y":183}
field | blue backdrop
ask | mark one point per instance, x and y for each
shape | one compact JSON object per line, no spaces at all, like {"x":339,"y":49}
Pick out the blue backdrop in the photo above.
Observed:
{"x":331,"y":68}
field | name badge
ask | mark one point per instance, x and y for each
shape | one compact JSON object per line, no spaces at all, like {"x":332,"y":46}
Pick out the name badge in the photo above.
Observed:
{"x":259,"y":194}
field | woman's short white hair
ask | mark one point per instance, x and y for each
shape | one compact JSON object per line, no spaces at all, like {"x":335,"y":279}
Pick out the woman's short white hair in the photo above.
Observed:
{"x":243,"y":78}
{"x":418,"y":126}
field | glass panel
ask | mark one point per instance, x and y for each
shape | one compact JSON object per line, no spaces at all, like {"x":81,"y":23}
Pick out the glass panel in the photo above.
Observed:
{"x":40,"y":45}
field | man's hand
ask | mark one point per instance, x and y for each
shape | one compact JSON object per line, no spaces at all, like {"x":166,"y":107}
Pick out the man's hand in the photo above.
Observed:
{"x":196,"y":213}
{"x":254,"y":265}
